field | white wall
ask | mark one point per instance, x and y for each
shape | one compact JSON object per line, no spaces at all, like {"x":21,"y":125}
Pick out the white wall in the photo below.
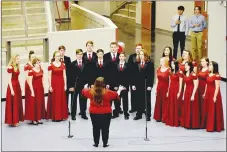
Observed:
{"x":138,"y":12}
{"x":217,"y":35}
{"x":100,"y":7}
{"x":166,"y":10}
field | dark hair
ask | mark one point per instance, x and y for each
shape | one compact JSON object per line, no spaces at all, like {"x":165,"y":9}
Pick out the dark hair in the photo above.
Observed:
{"x":176,"y":63}
{"x":114,"y":43}
{"x":123,"y":53}
{"x":181,"y":8}
{"x":89,"y":42}
{"x":170,"y":53}
{"x":61,"y":47}
{"x":215,"y":67}
{"x":100,"y":50}
{"x":30,"y":54}
{"x":190,"y":65}
{"x":78,"y":51}
{"x":98,"y":91}
{"x":199,"y":8}
{"x":206,"y":59}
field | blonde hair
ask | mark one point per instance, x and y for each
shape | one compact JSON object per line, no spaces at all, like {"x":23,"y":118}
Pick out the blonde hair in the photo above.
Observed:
{"x":166,"y":61}
{"x":13,"y":63}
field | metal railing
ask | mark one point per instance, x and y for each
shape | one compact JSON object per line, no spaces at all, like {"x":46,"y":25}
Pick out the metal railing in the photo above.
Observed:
{"x":25,"y":21}
{"x":120,"y":5}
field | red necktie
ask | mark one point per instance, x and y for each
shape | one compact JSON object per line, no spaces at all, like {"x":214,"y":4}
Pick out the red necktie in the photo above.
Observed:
{"x":121,"y":68}
{"x":89,"y":56}
{"x":142,"y":65}
{"x":100,"y":64}
{"x":114,"y":58}
{"x":79,"y":65}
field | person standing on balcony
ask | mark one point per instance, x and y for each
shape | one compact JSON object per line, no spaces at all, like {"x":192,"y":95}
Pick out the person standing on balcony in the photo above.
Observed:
{"x":14,"y":107}
{"x":67,"y":61}
{"x":197,"y":24}
{"x":121,"y":47}
{"x":28,"y":67}
{"x":179,"y":24}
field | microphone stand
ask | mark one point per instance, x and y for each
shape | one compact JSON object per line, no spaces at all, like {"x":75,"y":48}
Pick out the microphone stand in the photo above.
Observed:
{"x":146,"y":139}
{"x":70,"y":136}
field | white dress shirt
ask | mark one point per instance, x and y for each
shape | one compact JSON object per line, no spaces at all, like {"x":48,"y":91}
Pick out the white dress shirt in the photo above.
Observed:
{"x":112,"y":55}
{"x":183,"y":24}
{"x":90,"y":54}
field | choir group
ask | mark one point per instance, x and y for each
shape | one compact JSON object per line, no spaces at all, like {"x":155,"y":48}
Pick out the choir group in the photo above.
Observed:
{"x":187,"y":93}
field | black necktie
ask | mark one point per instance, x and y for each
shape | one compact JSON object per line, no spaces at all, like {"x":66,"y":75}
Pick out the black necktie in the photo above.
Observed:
{"x":178,"y":26}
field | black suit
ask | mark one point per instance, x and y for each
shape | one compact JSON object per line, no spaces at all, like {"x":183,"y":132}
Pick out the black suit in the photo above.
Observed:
{"x":90,"y":67}
{"x":123,"y":79}
{"x":100,"y":71}
{"x":131,"y":62}
{"x":138,"y":80}
{"x":67,"y":62}
{"x":77,"y":81}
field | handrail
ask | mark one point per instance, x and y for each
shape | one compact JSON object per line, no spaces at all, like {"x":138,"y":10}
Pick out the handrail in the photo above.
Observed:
{"x":49,"y":15}
{"x":25,"y":21}
{"x":119,"y":7}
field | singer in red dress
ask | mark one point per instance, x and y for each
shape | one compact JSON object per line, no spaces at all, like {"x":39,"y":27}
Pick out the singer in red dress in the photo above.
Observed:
{"x":57,"y":109}
{"x":28,"y":67}
{"x":191,"y":115}
{"x":186,"y":57}
{"x":202,"y":76}
{"x":167,"y":52}
{"x":163,"y":73}
{"x":13,"y":108}
{"x":36,"y":108}
{"x":174,"y":95}
{"x":215,"y":118}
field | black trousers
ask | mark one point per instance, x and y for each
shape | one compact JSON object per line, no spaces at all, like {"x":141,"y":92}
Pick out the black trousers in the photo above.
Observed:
{"x":140,"y":103}
{"x":133,"y":99}
{"x":178,"y":37}
{"x":117,"y":105}
{"x":82,"y":102}
{"x":124,"y":97}
{"x":101,"y":122}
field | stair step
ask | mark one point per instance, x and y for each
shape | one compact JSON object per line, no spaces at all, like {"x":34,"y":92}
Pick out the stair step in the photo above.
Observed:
{"x":21,"y":31}
{"x":11,"y":11}
{"x":33,"y":10}
{"x":124,"y":19}
{"x":21,"y":24}
{"x":32,"y":4}
{"x":37,"y":16}
{"x":127,"y":12}
{"x":131,"y":6}
{"x":12,"y":4}
{"x":12,"y":18}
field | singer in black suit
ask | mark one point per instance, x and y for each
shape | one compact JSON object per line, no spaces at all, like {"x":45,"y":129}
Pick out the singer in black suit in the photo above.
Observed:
{"x":77,"y":81}
{"x":143,"y":73}
{"x":123,"y":80}
{"x":100,"y":65}
{"x":131,"y":62}
{"x":67,"y":61}
{"x":112,"y":59}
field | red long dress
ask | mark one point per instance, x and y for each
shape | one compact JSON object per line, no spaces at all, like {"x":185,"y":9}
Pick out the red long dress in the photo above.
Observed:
{"x":14,"y":107}
{"x":161,"y":100}
{"x":191,"y":112}
{"x":27,"y":67}
{"x":36,"y":109}
{"x":202,"y":76}
{"x":215,"y":119}
{"x":56,"y":105}
{"x":173,"y":102}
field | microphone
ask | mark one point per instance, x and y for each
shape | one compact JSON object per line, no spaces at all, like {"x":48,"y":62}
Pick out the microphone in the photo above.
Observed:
{"x":70,"y":136}
{"x":146,"y":139}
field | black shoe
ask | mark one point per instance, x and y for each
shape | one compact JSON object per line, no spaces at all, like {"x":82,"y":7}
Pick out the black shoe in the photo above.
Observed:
{"x":73,"y":118}
{"x":84,"y":117}
{"x":137,"y":118}
{"x":40,"y":122}
{"x":126,"y":117}
{"x":80,"y":113}
{"x":106,"y":145}
{"x":148,"y":119}
{"x":131,"y":111}
{"x":114,"y":116}
{"x":121,"y":112}
{"x":95,"y":145}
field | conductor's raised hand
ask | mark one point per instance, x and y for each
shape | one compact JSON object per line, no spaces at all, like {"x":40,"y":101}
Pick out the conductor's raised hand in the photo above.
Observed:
{"x":133,"y":87}
{"x":107,"y":86}
{"x":148,"y":88}
{"x":85,"y":86}
{"x":121,"y":88}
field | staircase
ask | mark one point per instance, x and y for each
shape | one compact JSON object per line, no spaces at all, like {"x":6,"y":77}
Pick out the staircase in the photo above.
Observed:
{"x":14,"y":19}
{"x":126,"y":14}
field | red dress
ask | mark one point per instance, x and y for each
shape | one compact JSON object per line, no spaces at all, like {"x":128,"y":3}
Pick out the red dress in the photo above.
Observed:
{"x":56,"y":105}
{"x":27,"y":67}
{"x":191,"y":112}
{"x":161,"y":100}
{"x":215,"y":119}
{"x":14,"y":107}
{"x":36,"y":109}
{"x":202,"y":76}
{"x":173,"y":102}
